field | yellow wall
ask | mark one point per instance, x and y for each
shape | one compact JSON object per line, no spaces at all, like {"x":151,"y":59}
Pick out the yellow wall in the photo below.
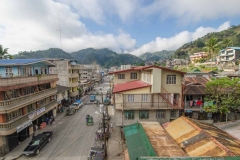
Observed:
{"x":138,"y":91}
{"x":156,"y":80}
{"x":172,"y":88}
{"x":127,"y":77}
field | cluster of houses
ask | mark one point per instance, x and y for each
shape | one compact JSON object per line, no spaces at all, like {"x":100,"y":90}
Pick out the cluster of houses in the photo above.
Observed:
{"x":162,"y":114}
{"x":33,"y":89}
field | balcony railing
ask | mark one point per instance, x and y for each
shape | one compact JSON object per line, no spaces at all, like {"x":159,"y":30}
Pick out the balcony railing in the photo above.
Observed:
{"x":25,"y":100}
{"x":144,"y":105}
{"x":73,"y":75}
{"x":73,"y":67}
{"x":73,"y":84}
{"x":18,"y":121}
{"x":193,"y":107}
{"x":10,"y":81}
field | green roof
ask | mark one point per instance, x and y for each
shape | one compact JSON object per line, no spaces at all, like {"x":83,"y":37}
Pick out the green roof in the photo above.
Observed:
{"x":137,"y":141}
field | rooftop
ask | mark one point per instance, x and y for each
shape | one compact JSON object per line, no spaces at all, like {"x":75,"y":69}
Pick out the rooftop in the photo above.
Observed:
{"x":202,"y":139}
{"x":162,"y":143}
{"x":146,"y":68}
{"x":22,"y":62}
{"x":130,"y":86}
{"x":195,"y":85}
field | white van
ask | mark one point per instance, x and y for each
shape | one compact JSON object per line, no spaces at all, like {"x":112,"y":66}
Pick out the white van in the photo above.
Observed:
{"x":78,"y":104}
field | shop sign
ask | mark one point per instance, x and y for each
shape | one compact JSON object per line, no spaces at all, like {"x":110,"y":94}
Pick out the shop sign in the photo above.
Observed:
{"x":35,"y":113}
{"x":23,"y":126}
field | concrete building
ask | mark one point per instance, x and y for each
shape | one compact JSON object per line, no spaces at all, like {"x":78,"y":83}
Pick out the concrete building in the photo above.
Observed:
{"x":27,"y":96}
{"x":228,"y":56}
{"x":68,"y":74}
{"x":128,"y":66}
{"x":148,"y":93}
{"x":198,"y":56}
{"x":62,"y":97}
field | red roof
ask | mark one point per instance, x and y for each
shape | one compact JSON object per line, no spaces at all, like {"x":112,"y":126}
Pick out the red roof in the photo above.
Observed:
{"x":146,"y":67}
{"x":130,"y":86}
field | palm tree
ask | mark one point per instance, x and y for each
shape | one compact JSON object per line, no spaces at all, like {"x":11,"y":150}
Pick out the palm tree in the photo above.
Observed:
{"x":211,"y":46}
{"x":226,"y":43}
{"x":4,"y":52}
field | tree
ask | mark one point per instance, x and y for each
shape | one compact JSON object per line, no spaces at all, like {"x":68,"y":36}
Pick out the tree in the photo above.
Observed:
{"x":211,"y":47}
{"x":226,"y":43}
{"x":4,"y":53}
{"x":225,"y":92}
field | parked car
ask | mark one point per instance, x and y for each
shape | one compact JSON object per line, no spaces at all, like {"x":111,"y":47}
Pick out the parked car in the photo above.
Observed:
{"x":37,"y":143}
{"x":70,"y":110}
{"x":92,"y":98}
{"x":78,"y":104}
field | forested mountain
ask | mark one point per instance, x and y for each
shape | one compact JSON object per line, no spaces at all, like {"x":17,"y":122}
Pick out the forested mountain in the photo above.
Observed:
{"x":103,"y":57}
{"x":50,"y":53}
{"x":155,"y":56}
{"x":232,"y":33}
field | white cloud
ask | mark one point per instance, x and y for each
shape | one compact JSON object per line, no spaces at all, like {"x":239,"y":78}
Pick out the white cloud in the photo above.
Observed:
{"x":34,"y":25}
{"x":178,"y":40}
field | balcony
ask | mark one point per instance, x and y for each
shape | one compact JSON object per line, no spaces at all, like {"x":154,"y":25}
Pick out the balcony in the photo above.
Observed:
{"x":73,"y":67}
{"x":11,"y":81}
{"x":73,"y":94}
{"x":144,"y":105}
{"x":11,"y":126}
{"x":73,"y":75}
{"x":73,"y":84}
{"x":193,"y":108}
{"x":16,"y":103}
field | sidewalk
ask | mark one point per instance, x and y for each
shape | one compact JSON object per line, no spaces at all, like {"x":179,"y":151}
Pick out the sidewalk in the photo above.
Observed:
{"x":115,"y":149}
{"x":17,"y":152}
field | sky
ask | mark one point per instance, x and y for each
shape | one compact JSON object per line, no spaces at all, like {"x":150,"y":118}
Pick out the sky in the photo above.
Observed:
{"x":124,"y":26}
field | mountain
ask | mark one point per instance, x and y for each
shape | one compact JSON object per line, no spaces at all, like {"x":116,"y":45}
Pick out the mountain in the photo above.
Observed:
{"x":155,"y":56}
{"x":50,"y":53}
{"x":104,"y":57}
{"x":232,"y":33}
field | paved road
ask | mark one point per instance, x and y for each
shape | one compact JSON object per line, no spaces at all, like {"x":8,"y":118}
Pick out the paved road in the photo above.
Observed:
{"x":72,"y":139}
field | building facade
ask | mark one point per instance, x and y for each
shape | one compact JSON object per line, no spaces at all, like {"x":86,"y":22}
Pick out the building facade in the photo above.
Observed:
{"x":198,"y":56}
{"x":68,"y":74}
{"x":27,"y":97}
{"x":229,"y":56}
{"x":149,"y":93}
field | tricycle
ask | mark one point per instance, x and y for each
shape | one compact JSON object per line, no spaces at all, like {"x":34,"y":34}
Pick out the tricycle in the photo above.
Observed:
{"x":89,"y":120}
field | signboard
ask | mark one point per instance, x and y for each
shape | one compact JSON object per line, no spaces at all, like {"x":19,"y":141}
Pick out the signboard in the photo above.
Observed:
{"x":23,"y":126}
{"x":35,"y":113}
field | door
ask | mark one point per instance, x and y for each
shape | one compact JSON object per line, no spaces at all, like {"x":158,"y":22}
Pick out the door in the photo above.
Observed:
{"x":36,"y":71}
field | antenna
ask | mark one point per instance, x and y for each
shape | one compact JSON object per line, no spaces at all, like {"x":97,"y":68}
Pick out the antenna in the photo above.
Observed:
{"x":60,"y":32}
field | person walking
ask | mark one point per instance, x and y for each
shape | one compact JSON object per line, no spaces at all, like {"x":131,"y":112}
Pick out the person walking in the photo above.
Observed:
{"x":111,"y":125}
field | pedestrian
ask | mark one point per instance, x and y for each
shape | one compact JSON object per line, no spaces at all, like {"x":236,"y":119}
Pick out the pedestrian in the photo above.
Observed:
{"x":111,"y":125}
{"x":47,"y":120}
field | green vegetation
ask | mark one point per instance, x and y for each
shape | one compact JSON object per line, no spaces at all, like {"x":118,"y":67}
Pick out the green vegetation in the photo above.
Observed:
{"x":156,"y":56}
{"x":225,"y":93}
{"x":228,"y":37}
{"x":4,"y":53}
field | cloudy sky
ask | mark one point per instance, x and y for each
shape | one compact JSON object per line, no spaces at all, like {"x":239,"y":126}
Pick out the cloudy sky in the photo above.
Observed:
{"x":134,"y":26}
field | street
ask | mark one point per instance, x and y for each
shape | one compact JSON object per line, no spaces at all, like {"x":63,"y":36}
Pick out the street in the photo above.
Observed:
{"x":72,"y":138}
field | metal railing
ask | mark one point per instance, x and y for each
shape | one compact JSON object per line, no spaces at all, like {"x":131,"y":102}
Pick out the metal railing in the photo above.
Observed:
{"x":21,"y":119}
{"x":28,"y":99}
{"x":193,"y":107}
{"x":10,"y":81}
{"x":144,"y":105}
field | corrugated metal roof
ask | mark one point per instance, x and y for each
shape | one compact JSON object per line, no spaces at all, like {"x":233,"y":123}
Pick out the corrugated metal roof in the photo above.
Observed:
{"x":195,"y":85}
{"x":162,"y":143}
{"x":130,"y":86}
{"x":16,"y":62}
{"x":201,"y":139}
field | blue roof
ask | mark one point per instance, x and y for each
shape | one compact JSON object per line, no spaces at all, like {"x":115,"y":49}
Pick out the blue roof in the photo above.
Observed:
{"x":7,"y":62}
{"x":78,"y":101}
{"x":236,"y":48}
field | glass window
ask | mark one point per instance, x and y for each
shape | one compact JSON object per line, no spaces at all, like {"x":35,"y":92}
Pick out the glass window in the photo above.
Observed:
{"x":144,"y":98}
{"x":143,"y":114}
{"x":160,"y":114}
{"x":121,"y":76}
{"x":173,"y":113}
{"x":133,"y":75}
{"x":130,"y":98}
{"x":171,"y":79}
{"x":129,"y":114}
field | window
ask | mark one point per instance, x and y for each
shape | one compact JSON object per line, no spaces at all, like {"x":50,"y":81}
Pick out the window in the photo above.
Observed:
{"x":144,"y":98}
{"x":148,"y":78}
{"x":129,"y":114}
{"x":8,"y":71}
{"x":133,"y":75}
{"x":130,"y":98}
{"x":173,"y":113}
{"x":121,"y":76}
{"x":13,"y":115}
{"x":160,"y":114}
{"x":171,"y":79}
{"x":30,"y":108}
{"x":143,"y":114}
